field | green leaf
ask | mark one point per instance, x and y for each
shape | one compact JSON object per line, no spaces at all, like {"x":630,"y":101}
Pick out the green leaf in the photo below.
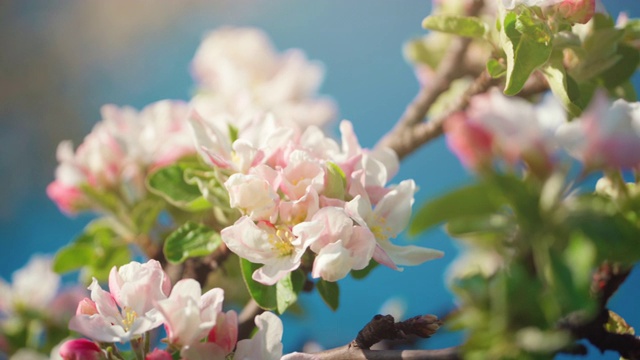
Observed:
{"x":73,"y":257}
{"x":106,"y":259}
{"x":189,"y":240}
{"x":335,"y":182}
{"x":472,"y":200}
{"x":361,"y":274}
{"x":557,"y":78}
{"x":330,"y":293}
{"x":287,"y":290}
{"x":170,"y":184}
{"x":265,"y":296}
{"x":276,"y":297}
{"x":623,"y":69}
{"x":496,"y":69}
{"x":457,"y":25}
{"x":527,"y":44}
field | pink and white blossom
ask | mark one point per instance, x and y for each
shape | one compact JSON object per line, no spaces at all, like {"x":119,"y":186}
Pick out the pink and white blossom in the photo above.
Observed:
{"x":32,"y":287}
{"x":606,"y":136}
{"x":128,"y":310}
{"x":188,"y":314}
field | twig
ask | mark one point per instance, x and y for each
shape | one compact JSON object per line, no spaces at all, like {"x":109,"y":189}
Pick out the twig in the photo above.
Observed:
{"x":383,"y":327}
{"x":200,"y":268}
{"x":402,"y":138}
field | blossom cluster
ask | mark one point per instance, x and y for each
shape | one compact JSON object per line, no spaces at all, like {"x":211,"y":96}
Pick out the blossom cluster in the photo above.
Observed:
{"x":141,"y":298}
{"x":239,"y":75}
{"x":606,"y":136}
{"x":299,"y":190}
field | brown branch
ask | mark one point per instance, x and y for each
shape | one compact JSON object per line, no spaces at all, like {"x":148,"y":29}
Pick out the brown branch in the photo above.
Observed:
{"x":401,"y":138}
{"x":383,"y":327}
{"x":201,"y":267}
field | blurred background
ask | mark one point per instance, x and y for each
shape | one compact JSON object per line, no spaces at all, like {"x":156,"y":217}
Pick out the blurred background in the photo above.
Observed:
{"x":60,"y":61}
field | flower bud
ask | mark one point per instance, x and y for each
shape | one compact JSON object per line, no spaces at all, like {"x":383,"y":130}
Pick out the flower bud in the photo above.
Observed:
{"x":80,"y":349}
{"x":158,"y":354}
{"x":578,"y":11}
{"x":86,"y":307}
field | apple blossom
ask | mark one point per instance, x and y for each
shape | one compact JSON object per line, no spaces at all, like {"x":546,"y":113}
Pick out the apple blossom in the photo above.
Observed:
{"x":128,"y":310}
{"x":606,"y":136}
{"x":158,"y":354}
{"x":579,"y":11}
{"x":239,"y":72}
{"x":266,"y":344}
{"x":188,"y":314}
{"x":225,"y":332}
{"x":33,"y":287}
{"x":81,"y":349}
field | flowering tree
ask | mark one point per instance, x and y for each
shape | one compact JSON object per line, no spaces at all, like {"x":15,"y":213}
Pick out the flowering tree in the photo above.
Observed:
{"x":243,"y":184}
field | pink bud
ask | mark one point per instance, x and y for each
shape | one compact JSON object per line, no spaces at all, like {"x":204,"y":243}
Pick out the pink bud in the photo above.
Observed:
{"x":80,"y":349}
{"x":579,"y":11}
{"x":471,"y":142}
{"x":158,"y":354}
{"x":86,"y":307}
{"x":225,"y":332}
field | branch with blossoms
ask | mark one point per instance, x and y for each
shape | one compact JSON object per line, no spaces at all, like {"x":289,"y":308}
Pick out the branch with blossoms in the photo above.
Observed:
{"x":242,"y":185}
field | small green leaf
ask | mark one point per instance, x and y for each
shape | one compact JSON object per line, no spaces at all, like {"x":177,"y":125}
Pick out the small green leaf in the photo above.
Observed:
{"x":330,"y":293}
{"x":557,"y":78}
{"x":623,"y":69}
{"x":189,"y":240}
{"x":105,"y":260}
{"x":335,"y":182}
{"x":265,"y":296}
{"x":73,"y":257}
{"x":170,"y":184}
{"x":276,"y":297}
{"x":361,"y":274}
{"x":472,"y":200}
{"x":527,"y":44}
{"x":457,"y":25}
{"x":496,"y":69}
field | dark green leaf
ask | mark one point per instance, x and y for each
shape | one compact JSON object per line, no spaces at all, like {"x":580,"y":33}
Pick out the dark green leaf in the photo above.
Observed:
{"x":330,"y":293}
{"x":623,"y":69}
{"x":189,"y":240}
{"x":477,"y":199}
{"x":265,"y":296}
{"x":457,"y":25}
{"x":361,"y":274}
{"x":73,"y":257}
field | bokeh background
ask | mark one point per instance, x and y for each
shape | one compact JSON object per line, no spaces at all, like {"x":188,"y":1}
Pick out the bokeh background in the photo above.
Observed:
{"x":60,"y":61}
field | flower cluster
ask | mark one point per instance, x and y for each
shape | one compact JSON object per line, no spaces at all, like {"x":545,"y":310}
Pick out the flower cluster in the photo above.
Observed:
{"x":299,"y":190}
{"x":239,"y":75}
{"x":577,"y":11}
{"x":605,"y":136}
{"x":140,"y":299}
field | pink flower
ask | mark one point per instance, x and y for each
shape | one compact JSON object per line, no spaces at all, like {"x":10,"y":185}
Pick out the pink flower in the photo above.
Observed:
{"x":189,"y":315}
{"x":33,"y":287}
{"x":158,"y":354}
{"x":266,"y":344}
{"x":252,"y":195}
{"x":81,"y":349}
{"x":471,"y":142}
{"x":68,"y":198}
{"x":225,"y":332}
{"x":606,"y":136}
{"x":578,"y":11}
{"x":265,"y":243}
{"x":86,"y":307}
{"x":340,"y":244}
{"x":128,"y":311}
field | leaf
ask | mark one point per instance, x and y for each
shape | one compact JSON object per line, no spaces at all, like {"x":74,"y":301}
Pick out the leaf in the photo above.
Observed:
{"x":265,"y":296}
{"x":335,"y":182}
{"x":330,"y":293}
{"x":496,"y":69}
{"x":527,"y":44}
{"x":477,"y":199}
{"x":170,"y":184}
{"x":623,"y":69}
{"x":557,"y":78}
{"x":287,"y":290}
{"x":361,"y":274}
{"x":276,"y":297}
{"x":73,"y":257}
{"x":189,"y":240}
{"x":462,"y":26}
{"x":617,"y":325}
